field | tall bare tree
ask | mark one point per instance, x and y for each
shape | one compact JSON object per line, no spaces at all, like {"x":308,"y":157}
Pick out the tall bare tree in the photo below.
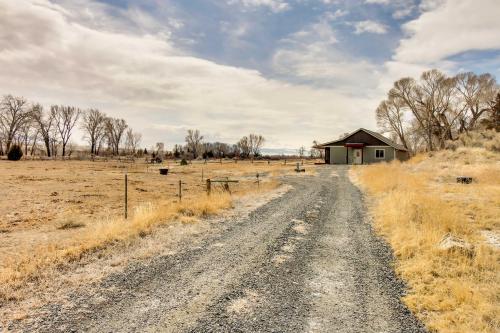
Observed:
{"x":115,"y":129}
{"x":94,"y":126}
{"x":477,"y":93}
{"x":193,"y":142}
{"x":14,"y":112}
{"x":256,"y":142}
{"x":132,"y":141}
{"x":66,"y":118}
{"x":430,"y":101}
{"x":244,"y":148}
{"x":391,"y":118}
{"x":44,"y":123}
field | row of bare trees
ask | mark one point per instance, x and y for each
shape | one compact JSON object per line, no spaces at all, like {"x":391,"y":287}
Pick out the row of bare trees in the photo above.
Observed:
{"x":247,"y":147}
{"x":29,"y":125}
{"x":425,"y":113}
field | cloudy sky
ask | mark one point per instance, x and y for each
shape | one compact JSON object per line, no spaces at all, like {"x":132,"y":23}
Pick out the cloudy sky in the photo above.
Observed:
{"x":292,"y":70}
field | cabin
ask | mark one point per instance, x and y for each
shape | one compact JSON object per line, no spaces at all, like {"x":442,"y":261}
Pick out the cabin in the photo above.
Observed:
{"x":363,"y":147}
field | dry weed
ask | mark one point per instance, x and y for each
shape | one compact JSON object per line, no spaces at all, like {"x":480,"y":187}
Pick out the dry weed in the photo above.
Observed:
{"x":415,"y":205}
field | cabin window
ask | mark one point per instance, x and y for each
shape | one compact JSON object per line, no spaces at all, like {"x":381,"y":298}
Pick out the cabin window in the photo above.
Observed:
{"x":379,"y":153}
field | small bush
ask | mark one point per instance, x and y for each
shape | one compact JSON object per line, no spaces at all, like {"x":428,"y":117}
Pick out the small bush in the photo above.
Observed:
{"x":15,"y":153}
{"x":184,"y":162}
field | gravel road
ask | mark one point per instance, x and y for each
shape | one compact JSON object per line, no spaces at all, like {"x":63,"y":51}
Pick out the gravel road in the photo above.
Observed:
{"x":304,"y":262}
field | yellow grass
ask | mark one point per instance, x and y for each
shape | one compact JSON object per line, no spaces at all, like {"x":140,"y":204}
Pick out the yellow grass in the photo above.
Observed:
{"x":416,"y":204}
{"x":35,"y":245}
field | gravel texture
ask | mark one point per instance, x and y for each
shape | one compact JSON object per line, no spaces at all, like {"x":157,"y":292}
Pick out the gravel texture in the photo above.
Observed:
{"x":304,"y":262}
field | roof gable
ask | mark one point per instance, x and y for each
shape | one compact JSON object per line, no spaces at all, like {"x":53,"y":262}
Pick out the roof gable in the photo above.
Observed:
{"x":382,"y":140}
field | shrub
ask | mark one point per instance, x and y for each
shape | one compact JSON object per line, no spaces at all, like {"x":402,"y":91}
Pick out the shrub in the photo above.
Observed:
{"x":15,"y":153}
{"x":184,"y":162}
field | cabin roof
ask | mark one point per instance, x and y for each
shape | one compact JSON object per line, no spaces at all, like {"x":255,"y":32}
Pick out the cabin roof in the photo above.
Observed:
{"x":374,"y":134}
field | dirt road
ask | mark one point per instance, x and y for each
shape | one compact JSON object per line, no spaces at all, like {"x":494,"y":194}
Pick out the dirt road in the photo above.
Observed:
{"x":304,"y":262}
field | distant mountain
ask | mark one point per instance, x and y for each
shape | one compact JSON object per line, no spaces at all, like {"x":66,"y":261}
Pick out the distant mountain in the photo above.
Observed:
{"x":279,"y":151}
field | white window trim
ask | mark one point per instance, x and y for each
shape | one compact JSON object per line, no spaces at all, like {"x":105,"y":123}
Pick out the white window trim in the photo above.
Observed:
{"x":379,"y":158}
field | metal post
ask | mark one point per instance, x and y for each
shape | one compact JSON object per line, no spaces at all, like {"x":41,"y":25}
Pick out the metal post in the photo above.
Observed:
{"x":180,"y":190}
{"x":209,"y":186}
{"x":126,"y":195}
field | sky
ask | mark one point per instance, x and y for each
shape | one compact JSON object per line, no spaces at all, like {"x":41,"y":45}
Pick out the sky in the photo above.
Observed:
{"x":292,"y":70}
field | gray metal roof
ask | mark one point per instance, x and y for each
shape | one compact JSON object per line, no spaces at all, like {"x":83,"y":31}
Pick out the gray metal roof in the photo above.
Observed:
{"x":374,"y":134}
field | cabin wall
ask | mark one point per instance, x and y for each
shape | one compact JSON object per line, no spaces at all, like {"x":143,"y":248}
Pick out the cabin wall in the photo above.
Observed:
{"x":369,"y":154}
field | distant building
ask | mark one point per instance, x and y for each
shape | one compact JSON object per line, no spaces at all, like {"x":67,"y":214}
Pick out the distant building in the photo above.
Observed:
{"x":363,"y":147}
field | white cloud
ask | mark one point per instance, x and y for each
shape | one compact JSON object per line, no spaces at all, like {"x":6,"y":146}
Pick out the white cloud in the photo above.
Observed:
{"x":403,"y":12}
{"x":448,"y":28}
{"x":274,"y":5}
{"x":382,"y":2}
{"x":335,"y":15}
{"x":49,"y":56}
{"x":312,"y":55}
{"x":370,"y":27}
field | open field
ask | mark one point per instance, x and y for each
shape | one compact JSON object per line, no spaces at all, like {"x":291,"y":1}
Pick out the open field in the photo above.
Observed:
{"x":417,"y":205}
{"x":58,"y":211}
{"x":302,"y":260}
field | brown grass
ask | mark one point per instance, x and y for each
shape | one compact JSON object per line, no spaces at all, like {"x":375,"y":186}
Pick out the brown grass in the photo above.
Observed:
{"x":33,"y":246}
{"x":414,"y":205}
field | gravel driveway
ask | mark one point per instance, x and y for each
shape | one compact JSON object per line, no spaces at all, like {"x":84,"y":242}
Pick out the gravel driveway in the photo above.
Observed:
{"x":304,"y":262}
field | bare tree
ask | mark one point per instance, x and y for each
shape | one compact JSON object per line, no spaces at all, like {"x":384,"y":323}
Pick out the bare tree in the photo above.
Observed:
{"x":477,"y":94}
{"x":193,"y":142}
{"x":94,"y":126}
{"x":66,"y":118}
{"x":391,"y":118}
{"x":44,"y":123}
{"x":14,"y":112}
{"x":132,"y":140}
{"x":244,"y":148}
{"x":430,"y":101}
{"x":317,"y":152}
{"x":302,"y":151}
{"x":255,"y":142}
{"x":27,"y":132}
{"x":115,"y":129}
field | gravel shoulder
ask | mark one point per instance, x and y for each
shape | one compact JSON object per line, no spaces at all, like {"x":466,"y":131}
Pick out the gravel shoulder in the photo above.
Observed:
{"x":306,"y":261}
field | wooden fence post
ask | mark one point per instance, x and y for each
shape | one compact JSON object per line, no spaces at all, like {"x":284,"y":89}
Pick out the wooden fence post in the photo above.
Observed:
{"x":180,"y":190}
{"x":126,"y":195}
{"x":202,"y":175}
{"x":209,"y":186}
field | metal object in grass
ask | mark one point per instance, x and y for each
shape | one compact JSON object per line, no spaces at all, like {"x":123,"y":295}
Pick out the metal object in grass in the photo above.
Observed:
{"x":298,"y":168}
{"x":464,"y":180}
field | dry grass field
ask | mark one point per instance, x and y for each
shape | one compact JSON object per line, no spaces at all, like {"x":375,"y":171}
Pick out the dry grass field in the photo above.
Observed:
{"x":55,"y":212}
{"x":418,"y":204}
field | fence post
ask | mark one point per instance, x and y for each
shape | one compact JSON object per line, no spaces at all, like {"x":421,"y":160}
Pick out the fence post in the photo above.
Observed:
{"x":180,"y":190}
{"x":202,"y":175}
{"x":258,"y":180}
{"x":209,"y":186}
{"x":126,"y":195}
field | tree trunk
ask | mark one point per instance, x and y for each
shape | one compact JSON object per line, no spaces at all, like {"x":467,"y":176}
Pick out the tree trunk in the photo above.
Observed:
{"x":47,"y":146}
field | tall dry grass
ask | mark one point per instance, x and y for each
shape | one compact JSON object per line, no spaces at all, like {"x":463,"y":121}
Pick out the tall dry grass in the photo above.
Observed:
{"x":30,"y":267}
{"x":414,"y":206}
